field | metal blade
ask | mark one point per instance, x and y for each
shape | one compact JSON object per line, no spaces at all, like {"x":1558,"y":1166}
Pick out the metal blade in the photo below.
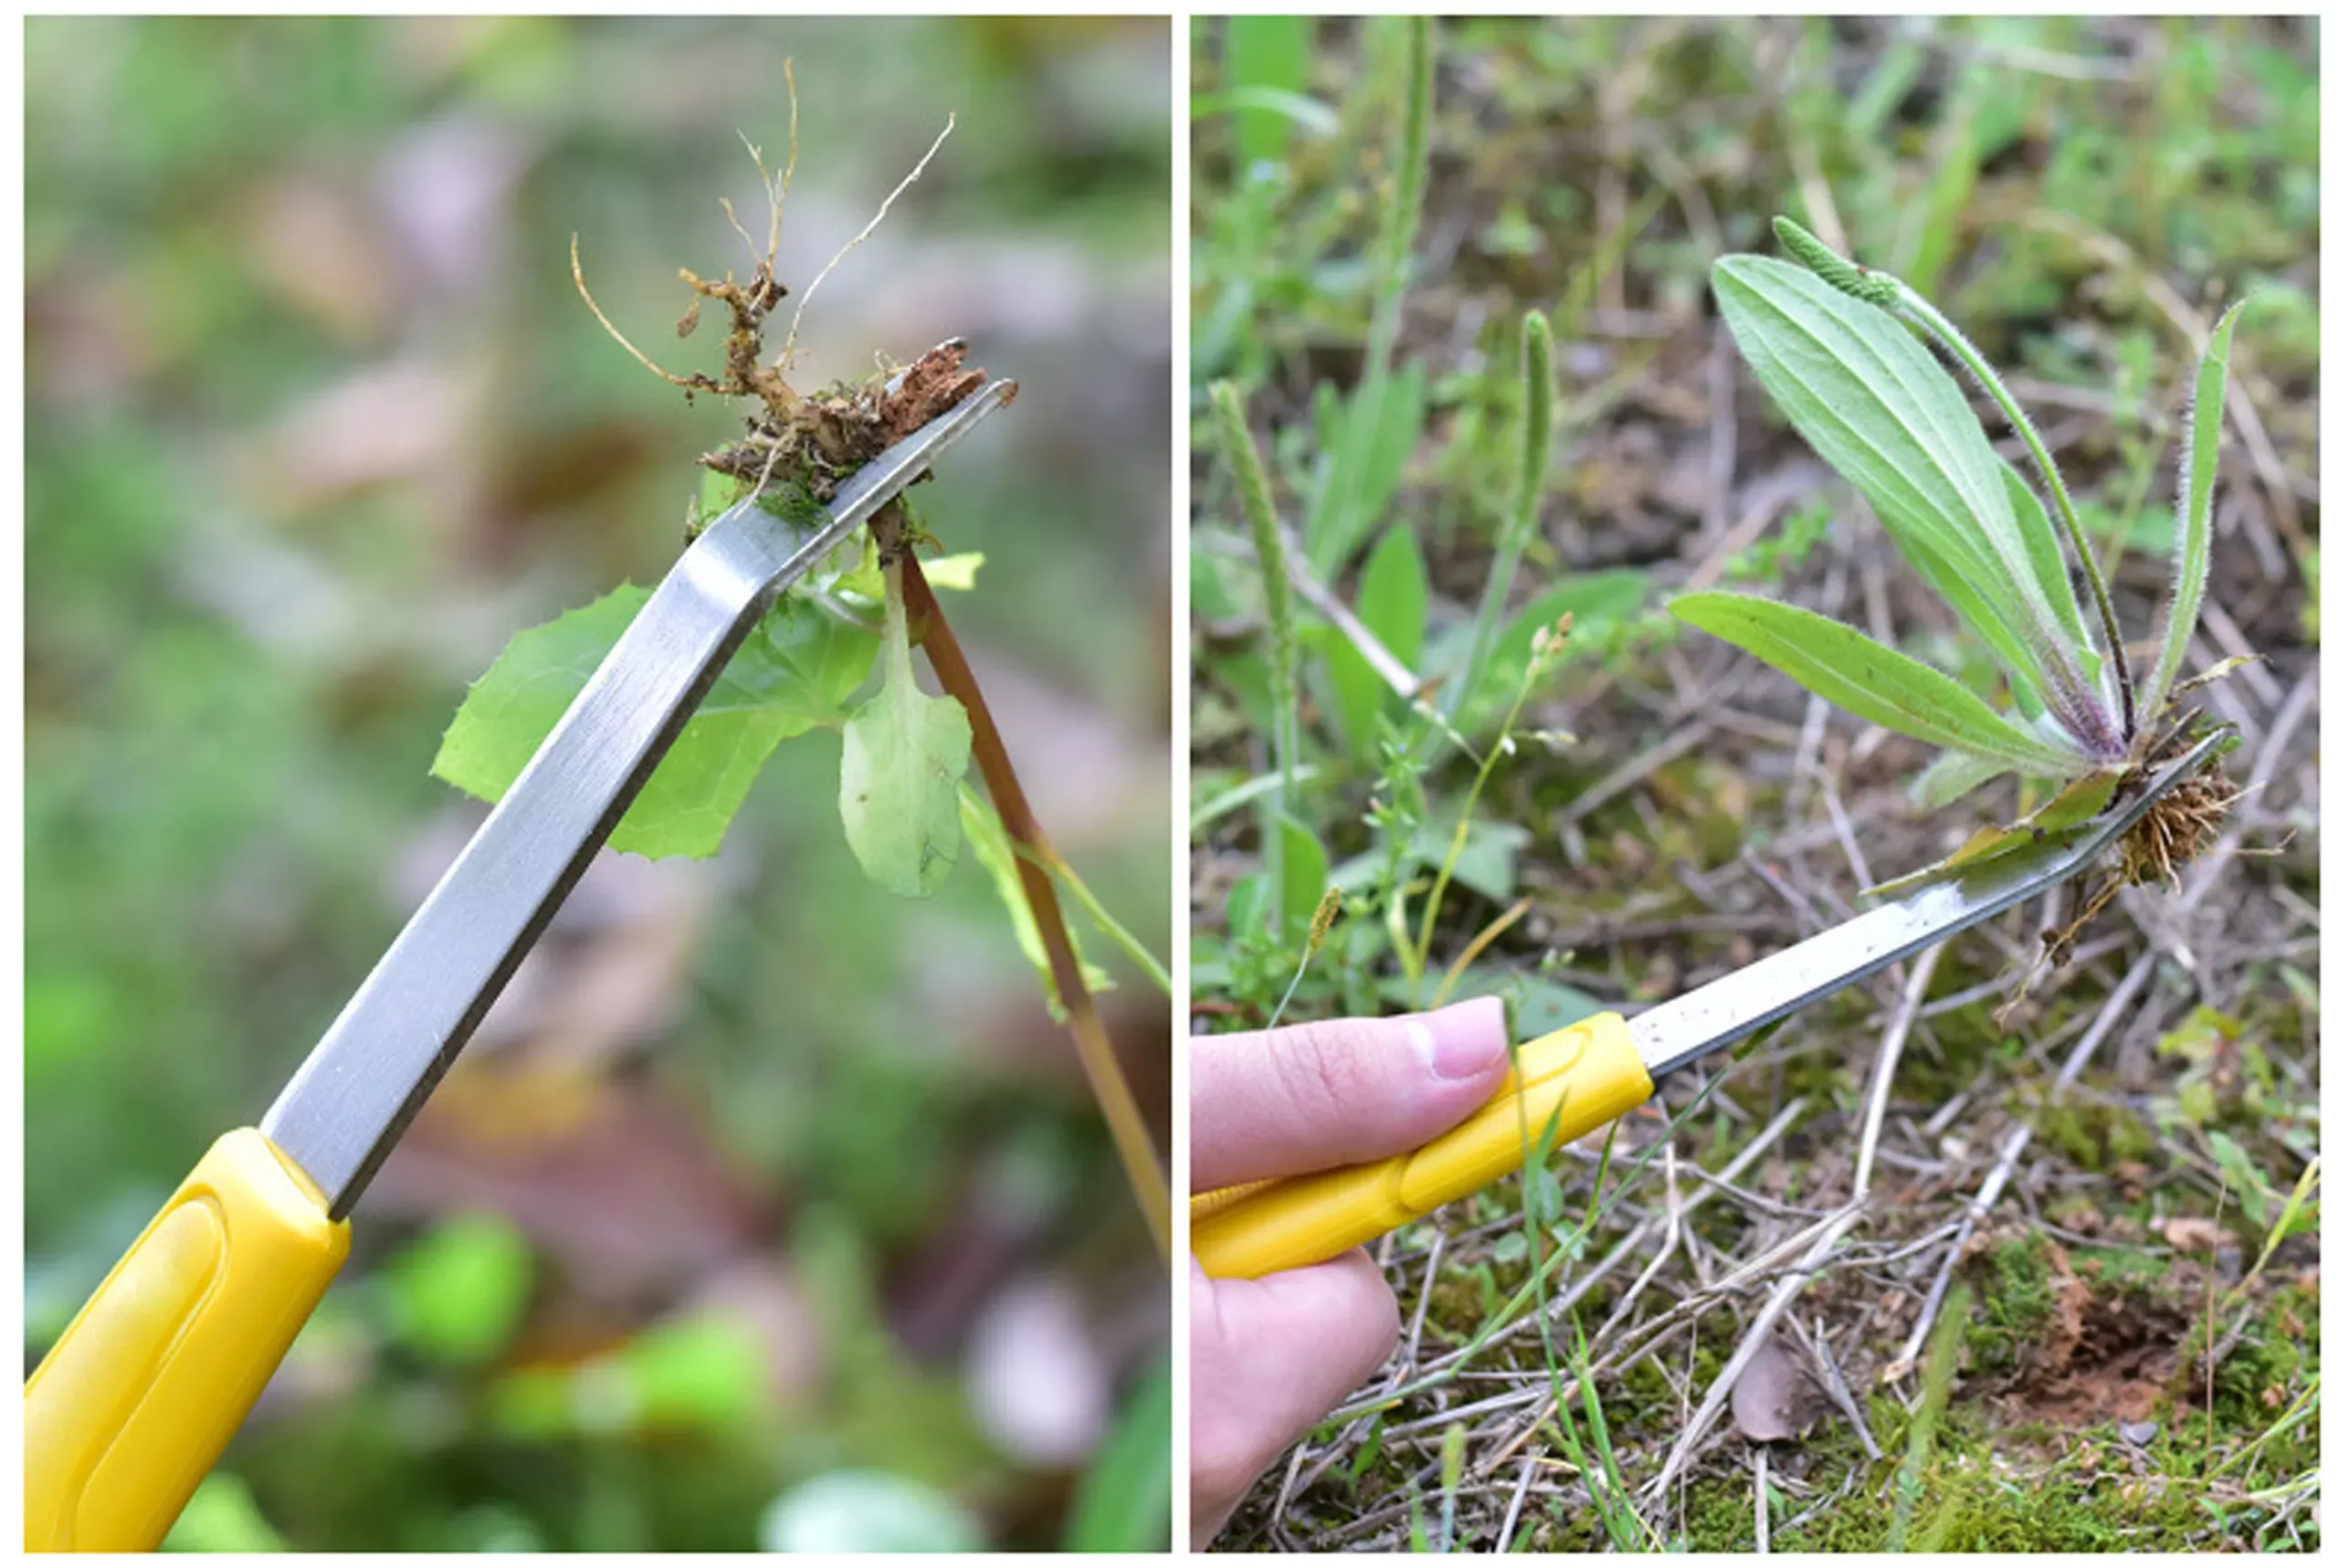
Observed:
{"x":1676,"y":1033}
{"x":344,"y":1110}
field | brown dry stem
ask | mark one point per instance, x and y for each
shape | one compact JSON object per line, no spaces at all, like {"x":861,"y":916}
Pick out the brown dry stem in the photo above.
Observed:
{"x":1033,"y":859}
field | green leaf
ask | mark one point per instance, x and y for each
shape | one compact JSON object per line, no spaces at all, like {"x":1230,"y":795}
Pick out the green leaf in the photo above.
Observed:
{"x":1265,"y":55}
{"x":1873,"y":402}
{"x":2194,"y":515}
{"x":1123,"y":1503}
{"x":1487,"y":865}
{"x":456,"y":1295}
{"x":1952,"y":776}
{"x":996,"y":850}
{"x":1392,"y":601}
{"x":904,"y":753}
{"x":1599,"y":601}
{"x":953,"y":571}
{"x":793,"y":673}
{"x":1862,"y":676}
{"x":2243,"y":1180}
{"x":702,"y":1372}
{"x":2059,"y":820}
{"x":2024,"y":673}
{"x":1366,"y":440}
{"x":2043,"y":543}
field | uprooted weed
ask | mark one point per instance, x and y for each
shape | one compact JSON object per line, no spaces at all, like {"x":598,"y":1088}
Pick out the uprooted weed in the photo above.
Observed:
{"x":797,"y":443}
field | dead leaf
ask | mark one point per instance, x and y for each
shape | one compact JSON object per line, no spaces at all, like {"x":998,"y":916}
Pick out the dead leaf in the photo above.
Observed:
{"x":2189,"y":1233}
{"x":1772,"y":1402}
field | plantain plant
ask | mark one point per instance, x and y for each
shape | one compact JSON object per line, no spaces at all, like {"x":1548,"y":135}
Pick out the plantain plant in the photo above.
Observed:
{"x":1840,"y":348}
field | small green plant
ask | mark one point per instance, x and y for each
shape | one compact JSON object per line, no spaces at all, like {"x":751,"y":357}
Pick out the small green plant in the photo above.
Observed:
{"x":1836,"y":345}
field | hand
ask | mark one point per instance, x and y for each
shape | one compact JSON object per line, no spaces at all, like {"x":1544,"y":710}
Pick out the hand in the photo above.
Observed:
{"x":1272,"y":1356}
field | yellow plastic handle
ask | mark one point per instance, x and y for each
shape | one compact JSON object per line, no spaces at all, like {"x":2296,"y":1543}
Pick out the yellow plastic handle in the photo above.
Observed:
{"x":127,"y":1413}
{"x":1583,"y":1077}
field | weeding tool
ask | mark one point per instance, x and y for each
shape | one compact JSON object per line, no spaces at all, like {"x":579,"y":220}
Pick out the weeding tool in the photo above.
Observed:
{"x":130,"y":1408}
{"x":1578,"y":1080}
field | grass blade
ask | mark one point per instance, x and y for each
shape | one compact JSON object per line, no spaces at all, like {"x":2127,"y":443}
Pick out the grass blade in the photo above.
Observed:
{"x":1338,"y":522}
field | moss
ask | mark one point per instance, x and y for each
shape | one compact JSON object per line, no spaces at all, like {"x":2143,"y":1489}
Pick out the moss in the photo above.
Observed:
{"x":2094,"y":1134}
{"x":2017,"y":1286}
{"x":2119,"y":1269}
{"x":1969,"y":1499}
{"x":2278,"y":1353}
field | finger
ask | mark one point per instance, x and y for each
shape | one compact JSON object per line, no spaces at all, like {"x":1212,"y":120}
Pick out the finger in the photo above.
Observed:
{"x":1270,"y":1358}
{"x":1317,"y":1096}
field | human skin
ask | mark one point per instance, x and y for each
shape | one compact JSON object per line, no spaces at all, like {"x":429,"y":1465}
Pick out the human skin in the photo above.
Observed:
{"x":1271,"y":1357}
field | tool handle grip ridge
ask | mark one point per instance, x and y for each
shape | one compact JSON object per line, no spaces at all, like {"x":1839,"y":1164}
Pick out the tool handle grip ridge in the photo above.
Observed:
{"x":129,"y":1410}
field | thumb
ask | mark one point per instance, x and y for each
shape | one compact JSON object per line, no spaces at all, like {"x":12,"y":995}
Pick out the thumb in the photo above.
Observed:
{"x":1285,"y":1101}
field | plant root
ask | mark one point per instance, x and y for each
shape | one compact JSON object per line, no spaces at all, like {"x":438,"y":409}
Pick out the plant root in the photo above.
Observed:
{"x":2177,"y":830}
{"x":805,"y":445}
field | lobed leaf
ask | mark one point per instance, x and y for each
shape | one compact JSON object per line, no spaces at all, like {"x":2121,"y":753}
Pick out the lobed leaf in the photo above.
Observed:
{"x":2193,"y":516}
{"x":1879,"y":684}
{"x":793,"y":674}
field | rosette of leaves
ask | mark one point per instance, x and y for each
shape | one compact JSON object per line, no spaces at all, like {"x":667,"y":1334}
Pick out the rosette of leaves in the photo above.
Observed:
{"x":1842,"y":350}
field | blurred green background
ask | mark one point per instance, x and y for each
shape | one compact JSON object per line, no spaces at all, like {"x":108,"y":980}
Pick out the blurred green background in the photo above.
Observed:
{"x":765,"y":1209}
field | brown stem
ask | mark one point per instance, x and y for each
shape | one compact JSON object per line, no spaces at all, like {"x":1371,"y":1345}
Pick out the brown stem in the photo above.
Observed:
{"x":1033,"y":853}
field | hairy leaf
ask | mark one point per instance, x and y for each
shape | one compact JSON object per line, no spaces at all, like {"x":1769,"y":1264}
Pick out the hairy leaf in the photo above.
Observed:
{"x":1959,"y":592}
{"x":904,"y":752}
{"x":793,"y":673}
{"x":1862,"y":676}
{"x":2043,"y":543}
{"x":2194,"y":515}
{"x":1873,"y":402}
{"x":1952,"y":776}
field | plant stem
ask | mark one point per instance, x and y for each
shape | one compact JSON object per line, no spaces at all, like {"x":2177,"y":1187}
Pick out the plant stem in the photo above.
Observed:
{"x":1274,"y":572}
{"x":1915,"y":307}
{"x":1501,"y":747}
{"x":1104,"y":1076}
{"x":1534,"y":443}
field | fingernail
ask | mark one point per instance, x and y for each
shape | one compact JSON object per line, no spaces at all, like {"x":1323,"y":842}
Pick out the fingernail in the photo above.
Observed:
{"x":1464,"y":1041}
